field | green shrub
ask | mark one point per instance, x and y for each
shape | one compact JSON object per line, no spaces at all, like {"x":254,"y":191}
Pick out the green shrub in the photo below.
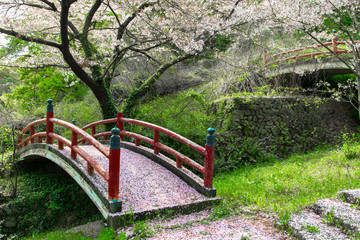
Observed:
{"x":47,"y":198}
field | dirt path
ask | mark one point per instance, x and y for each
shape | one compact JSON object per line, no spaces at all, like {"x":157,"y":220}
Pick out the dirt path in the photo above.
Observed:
{"x":203,"y":225}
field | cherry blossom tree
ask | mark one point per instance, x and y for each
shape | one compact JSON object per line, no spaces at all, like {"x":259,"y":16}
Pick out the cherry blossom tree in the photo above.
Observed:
{"x":320,"y":20}
{"x":92,"y":38}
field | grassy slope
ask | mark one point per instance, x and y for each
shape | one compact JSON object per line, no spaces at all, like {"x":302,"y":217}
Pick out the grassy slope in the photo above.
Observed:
{"x":286,"y":186}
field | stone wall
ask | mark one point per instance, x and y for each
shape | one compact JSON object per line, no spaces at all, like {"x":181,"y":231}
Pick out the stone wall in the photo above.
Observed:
{"x":296,"y":123}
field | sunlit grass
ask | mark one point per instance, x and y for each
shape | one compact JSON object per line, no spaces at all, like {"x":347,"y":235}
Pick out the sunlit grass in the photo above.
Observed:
{"x":287,"y":186}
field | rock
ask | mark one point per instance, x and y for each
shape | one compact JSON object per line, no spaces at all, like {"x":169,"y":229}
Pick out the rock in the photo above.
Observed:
{"x":10,"y":222}
{"x":308,"y":225}
{"x":90,"y":230}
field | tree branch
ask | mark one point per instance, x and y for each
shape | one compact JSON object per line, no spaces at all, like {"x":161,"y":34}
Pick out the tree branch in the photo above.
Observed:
{"x":30,"y":39}
{"x":35,"y":67}
{"x":123,"y":26}
{"x":337,"y":56}
{"x":233,"y":9}
{"x":65,"y":48}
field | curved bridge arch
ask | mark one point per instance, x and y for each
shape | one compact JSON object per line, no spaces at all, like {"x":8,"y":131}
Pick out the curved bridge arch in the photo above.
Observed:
{"x":96,"y":167}
{"x":84,"y":180}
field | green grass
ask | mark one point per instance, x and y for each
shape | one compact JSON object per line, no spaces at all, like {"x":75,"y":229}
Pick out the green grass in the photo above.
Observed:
{"x":287,"y":186}
{"x":57,"y":235}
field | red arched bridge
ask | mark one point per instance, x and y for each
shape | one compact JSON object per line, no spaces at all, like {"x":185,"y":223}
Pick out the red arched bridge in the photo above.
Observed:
{"x":315,"y":58}
{"x":119,"y":176}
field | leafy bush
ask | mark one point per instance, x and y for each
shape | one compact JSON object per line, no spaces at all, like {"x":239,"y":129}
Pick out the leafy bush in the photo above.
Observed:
{"x":184,"y":113}
{"x":233,"y":151}
{"x":48,"y":198}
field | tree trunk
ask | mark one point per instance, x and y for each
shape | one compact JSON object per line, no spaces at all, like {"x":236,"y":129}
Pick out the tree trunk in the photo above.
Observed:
{"x":105,"y":99}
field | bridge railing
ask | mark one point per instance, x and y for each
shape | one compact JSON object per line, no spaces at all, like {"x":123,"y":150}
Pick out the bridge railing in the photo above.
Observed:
{"x":113,"y":154}
{"x":301,"y":53}
{"x":207,"y":151}
{"x":111,"y":176}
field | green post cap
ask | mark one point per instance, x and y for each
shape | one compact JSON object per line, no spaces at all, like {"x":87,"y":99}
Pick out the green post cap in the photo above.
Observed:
{"x":115,"y":131}
{"x":49,"y":107}
{"x":334,"y":31}
{"x":115,"y":139}
{"x":73,"y":121}
{"x":210,"y":138}
{"x":211,"y":130}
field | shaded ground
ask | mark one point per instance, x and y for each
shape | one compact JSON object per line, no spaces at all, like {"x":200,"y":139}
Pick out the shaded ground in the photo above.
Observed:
{"x":201,"y":225}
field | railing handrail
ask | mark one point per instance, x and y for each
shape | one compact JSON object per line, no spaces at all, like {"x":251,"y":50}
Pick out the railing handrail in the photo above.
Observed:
{"x":65,"y":141}
{"x":334,"y":43}
{"x":180,"y":158}
{"x":163,"y":130}
{"x":84,"y":134}
{"x":112,"y":175}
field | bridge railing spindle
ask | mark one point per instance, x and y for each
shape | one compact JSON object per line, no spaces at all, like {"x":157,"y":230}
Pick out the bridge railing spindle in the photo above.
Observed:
{"x":32,"y":132}
{"x":156,"y":141}
{"x":49,"y":125}
{"x":334,"y":45}
{"x":209,"y":158}
{"x":120,"y":124}
{"x":73,"y":143}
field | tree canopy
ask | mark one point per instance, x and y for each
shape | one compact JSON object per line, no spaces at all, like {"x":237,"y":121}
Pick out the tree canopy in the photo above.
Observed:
{"x":92,"y":38}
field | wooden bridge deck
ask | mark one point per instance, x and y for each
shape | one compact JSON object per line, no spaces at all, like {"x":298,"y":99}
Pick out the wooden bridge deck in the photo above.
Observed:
{"x":144,"y":184}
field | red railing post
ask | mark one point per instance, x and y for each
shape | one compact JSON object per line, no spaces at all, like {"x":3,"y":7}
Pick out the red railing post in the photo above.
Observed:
{"x":73,"y":143}
{"x":120,"y":124}
{"x":178,"y":162}
{"x":114,"y":165}
{"x":19,"y":137}
{"x":156,"y":141}
{"x":49,"y":125}
{"x":209,"y":158}
{"x":334,"y":45}
{"x":32,"y":132}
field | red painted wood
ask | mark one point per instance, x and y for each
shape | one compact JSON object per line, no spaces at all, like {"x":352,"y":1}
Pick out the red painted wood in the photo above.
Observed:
{"x":137,"y":141}
{"x":178,"y":162}
{"x":172,"y":134}
{"x":49,"y":127}
{"x":156,"y":141}
{"x":93,"y":130}
{"x":73,"y":143}
{"x":183,"y":158}
{"x":209,"y":166}
{"x":114,"y":174}
{"x":34,"y":123}
{"x":60,"y":145}
{"x":120,"y":124}
{"x":140,"y":137}
{"x":84,"y":134}
{"x":89,"y":169}
{"x":334,"y":43}
{"x":61,"y":139}
{"x":92,"y":162}
{"x":32,"y":132}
